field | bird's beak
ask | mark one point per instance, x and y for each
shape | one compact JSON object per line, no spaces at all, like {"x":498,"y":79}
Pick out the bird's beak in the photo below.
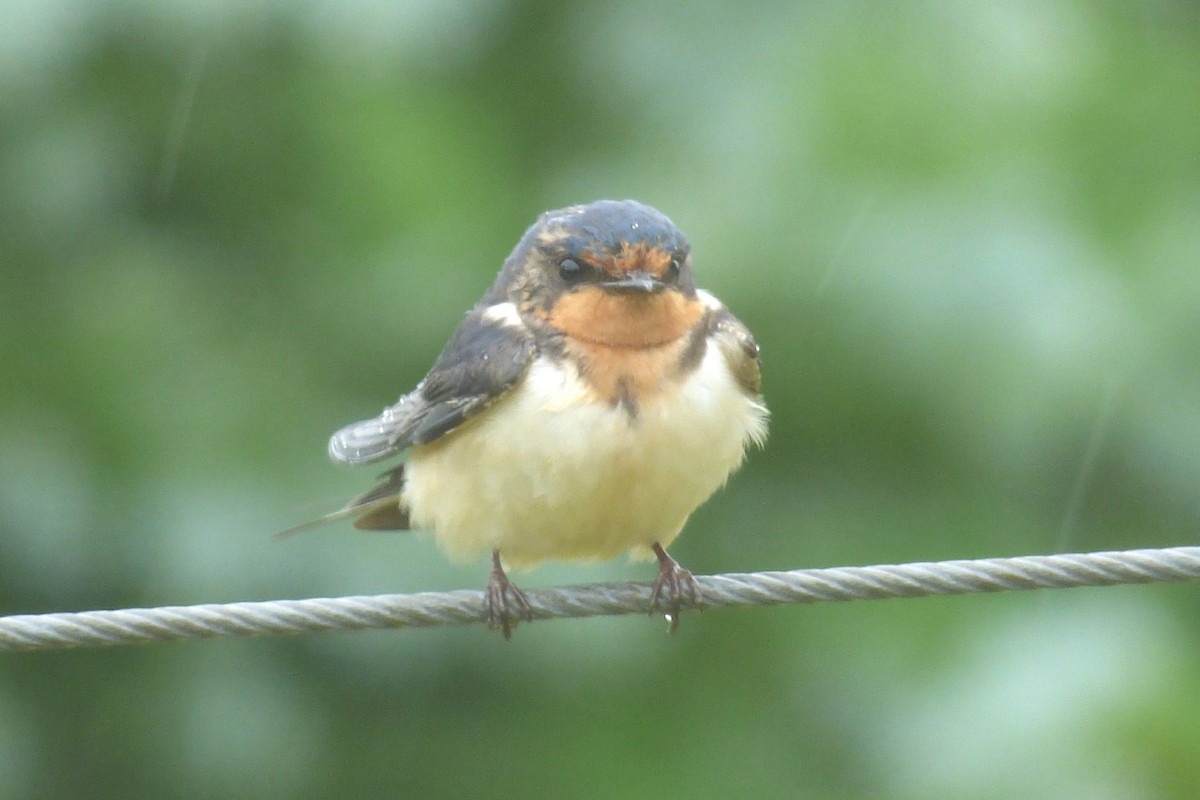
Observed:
{"x":636,"y":283}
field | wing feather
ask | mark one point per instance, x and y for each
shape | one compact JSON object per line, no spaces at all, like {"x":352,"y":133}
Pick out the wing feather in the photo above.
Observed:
{"x":486,"y":357}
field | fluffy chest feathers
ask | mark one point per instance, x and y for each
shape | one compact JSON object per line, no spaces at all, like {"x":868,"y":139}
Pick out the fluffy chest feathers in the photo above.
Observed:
{"x":554,"y":471}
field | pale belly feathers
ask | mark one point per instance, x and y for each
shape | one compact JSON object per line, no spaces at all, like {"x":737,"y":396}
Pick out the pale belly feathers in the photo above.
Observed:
{"x":548,"y":473}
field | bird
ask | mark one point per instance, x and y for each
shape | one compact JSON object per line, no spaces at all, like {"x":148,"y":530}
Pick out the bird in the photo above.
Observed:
{"x":584,"y":408}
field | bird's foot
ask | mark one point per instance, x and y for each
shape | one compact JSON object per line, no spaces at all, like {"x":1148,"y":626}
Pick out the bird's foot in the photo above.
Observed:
{"x":675,"y":588}
{"x":504,"y":604}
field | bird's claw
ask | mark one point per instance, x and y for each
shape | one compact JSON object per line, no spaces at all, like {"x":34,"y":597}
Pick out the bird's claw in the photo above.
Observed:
{"x":674,"y":589}
{"x":504,"y":604}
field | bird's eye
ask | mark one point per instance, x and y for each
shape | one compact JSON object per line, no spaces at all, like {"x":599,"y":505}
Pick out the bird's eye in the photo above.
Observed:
{"x":571,"y":270}
{"x":671,"y":273}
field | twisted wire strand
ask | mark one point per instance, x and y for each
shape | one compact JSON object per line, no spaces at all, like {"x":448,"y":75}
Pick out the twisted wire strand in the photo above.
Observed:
{"x":427,"y":609}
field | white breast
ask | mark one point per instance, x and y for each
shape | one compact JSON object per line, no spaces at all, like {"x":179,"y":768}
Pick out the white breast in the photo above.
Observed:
{"x":548,"y":474}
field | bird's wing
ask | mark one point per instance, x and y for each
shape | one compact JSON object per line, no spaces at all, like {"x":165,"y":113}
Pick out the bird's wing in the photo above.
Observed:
{"x":739,"y":348}
{"x":486,"y":357}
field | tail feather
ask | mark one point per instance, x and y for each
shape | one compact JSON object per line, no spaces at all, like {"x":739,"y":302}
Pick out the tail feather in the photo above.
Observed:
{"x":376,"y":510}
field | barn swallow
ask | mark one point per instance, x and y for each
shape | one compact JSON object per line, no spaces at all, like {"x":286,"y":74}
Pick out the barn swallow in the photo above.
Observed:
{"x":590,"y":402}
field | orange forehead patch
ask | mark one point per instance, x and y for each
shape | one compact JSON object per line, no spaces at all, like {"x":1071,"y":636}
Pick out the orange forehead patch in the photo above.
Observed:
{"x":639,"y":257}
{"x":642,"y":256}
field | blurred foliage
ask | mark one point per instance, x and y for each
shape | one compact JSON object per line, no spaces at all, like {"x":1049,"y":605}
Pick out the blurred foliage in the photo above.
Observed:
{"x":964,"y":233}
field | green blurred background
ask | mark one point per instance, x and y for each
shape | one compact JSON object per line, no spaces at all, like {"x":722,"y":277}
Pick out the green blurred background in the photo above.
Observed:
{"x":967,"y":236}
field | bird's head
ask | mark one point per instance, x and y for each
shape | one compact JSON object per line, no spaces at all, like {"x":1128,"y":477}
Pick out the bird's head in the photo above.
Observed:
{"x":614,"y":273}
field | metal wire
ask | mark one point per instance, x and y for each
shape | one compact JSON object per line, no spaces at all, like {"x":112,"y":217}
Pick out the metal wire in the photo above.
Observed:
{"x":284,"y":617}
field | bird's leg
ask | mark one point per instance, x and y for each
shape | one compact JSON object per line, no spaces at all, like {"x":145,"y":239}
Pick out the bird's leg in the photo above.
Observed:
{"x":674,"y":588}
{"x":505,"y":604}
